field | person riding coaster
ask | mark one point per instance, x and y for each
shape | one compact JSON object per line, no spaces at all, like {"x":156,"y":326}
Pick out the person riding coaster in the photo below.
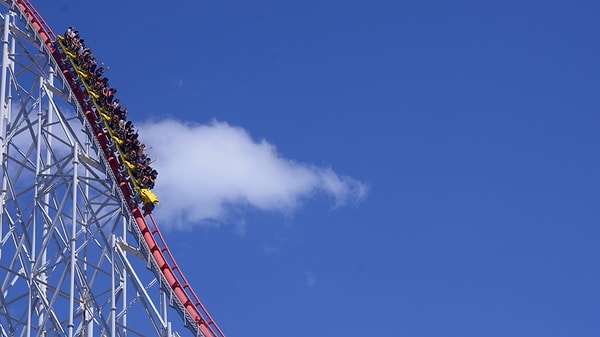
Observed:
{"x":109,"y":108}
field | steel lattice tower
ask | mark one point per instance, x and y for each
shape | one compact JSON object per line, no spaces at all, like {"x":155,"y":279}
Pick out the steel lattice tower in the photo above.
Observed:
{"x":77,"y":257}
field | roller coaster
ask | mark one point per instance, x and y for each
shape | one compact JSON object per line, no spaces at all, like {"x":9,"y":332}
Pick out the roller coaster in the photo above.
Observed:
{"x":114,"y":118}
{"x":70,"y":200}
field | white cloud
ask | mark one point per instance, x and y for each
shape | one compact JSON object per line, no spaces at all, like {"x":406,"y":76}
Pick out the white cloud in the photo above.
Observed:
{"x":207,"y":170}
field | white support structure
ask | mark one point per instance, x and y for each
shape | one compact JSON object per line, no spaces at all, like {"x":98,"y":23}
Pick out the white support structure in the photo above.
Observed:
{"x":64,"y":270}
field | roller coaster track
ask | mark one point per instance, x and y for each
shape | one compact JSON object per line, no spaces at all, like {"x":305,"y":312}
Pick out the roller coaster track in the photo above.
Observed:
{"x":151,"y":245}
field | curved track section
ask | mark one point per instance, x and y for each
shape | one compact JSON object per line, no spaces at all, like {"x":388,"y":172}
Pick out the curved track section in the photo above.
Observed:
{"x":113,"y":248}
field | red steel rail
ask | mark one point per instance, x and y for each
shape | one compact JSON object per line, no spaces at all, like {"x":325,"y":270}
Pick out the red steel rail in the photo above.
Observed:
{"x":154,"y":240}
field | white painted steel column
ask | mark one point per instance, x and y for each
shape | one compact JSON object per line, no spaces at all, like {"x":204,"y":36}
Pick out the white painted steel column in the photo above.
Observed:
{"x":3,"y":116}
{"x":34,"y":225}
{"x":43,"y":277}
{"x":5,"y":82}
{"x":163,"y":295}
{"x":124,"y":279}
{"x":113,"y":290}
{"x":73,"y":243}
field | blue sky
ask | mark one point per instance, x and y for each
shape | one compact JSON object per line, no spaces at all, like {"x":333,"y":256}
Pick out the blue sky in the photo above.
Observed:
{"x":461,"y":140}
